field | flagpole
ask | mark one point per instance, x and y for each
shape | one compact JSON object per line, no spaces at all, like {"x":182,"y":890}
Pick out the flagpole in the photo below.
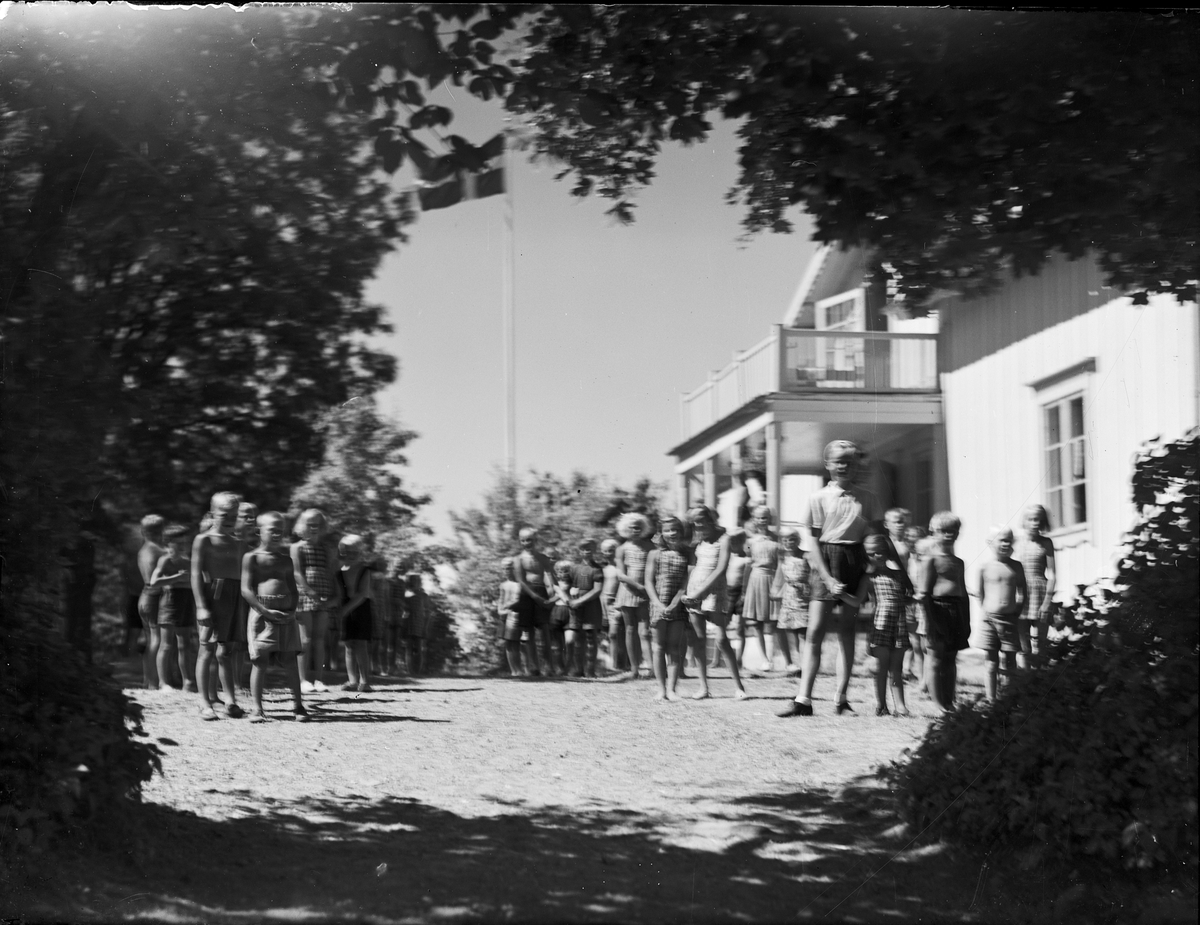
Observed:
{"x":509,"y":305}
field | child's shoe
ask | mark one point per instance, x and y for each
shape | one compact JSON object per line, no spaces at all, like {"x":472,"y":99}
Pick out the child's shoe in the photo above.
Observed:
{"x":300,"y":715}
{"x":319,"y":687}
{"x":233,"y":711}
{"x":844,"y":707}
{"x":208,"y":714}
{"x":349,"y":686}
{"x":306,"y":687}
{"x":880,"y":711}
{"x":364,"y":688}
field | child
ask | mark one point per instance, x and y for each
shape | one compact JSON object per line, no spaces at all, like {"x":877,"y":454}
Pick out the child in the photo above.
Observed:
{"x":914,"y":611}
{"x":177,"y":608}
{"x":792,"y":579}
{"x":416,"y":623}
{"x":633,"y":600}
{"x":706,"y":601}
{"x":560,"y":613}
{"x":131,"y":579}
{"x":533,"y":572}
{"x":840,"y":516}
{"x":355,"y":613}
{"x":618,"y":660}
{"x":943,"y":589}
{"x":735,"y":580}
{"x":318,"y":596}
{"x":887,"y":581}
{"x":247,"y":534}
{"x":666,"y":581}
{"x":216,"y":586}
{"x":510,"y":620}
{"x":764,"y":561}
{"x":269,"y":588}
{"x":1036,"y":554}
{"x":587,"y":618}
{"x":1001,"y":592}
{"x":147,"y":558}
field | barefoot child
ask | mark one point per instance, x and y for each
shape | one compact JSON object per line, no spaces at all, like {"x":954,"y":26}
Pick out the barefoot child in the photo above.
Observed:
{"x":247,"y":534}
{"x":888,"y":584}
{"x":318,"y":596}
{"x":177,"y":609}
{"x":943,"y":588}
{"x":587,"y":616}
{"x":792,"y":578}
{"x":666,"y":582}
{"x":510,"y":620}
{"x":735,"y":581}
{"x":560,"y":614}
{"x":355,"y":612}
{"x":618,"y":660}
{"x":632,"y":598}
{"x":1036,"y":554}
{"x":216,"y":585}
{"x":1001,"y":592}
{"x":147,"y":558}
{"x":764,"y":562}
{"x":705,"y":600}
{"x":535,"y":575}
{"x":269,"y":588}
{"x":914,"y":538}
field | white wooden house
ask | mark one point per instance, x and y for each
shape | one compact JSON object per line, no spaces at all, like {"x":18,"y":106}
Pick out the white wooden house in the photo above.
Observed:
{"x":1041,"y":392}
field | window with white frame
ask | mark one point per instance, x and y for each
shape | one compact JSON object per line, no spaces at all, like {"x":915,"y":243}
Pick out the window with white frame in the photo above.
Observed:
{"x":1066,"y":462}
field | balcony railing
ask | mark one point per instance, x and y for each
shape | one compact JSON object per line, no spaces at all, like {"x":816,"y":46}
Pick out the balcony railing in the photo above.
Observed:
{"x":800,"y":360}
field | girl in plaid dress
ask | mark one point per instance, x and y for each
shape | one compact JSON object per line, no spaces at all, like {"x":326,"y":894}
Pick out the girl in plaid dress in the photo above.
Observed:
{"x":632,"y":600}
{"x":666,"y":583}
{"x":318,"y":595}
{"x":1035,"y":551}
{"x":889,"y":637}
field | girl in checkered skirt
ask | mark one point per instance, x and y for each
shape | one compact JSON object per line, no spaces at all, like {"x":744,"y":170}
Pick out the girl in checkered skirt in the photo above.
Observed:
{"x":666,"y":583}
{"x":889,"y":637}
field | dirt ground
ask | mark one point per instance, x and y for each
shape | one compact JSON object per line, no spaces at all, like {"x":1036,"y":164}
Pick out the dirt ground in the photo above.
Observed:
{"x":467,"y":799}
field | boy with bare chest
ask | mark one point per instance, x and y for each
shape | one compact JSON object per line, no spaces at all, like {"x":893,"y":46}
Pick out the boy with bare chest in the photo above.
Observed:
{"x":216,"y":577}
{"x":943,"y":588}
{"x":269,"y":587}
{"x":1002,"y":592}
{"x":534,"y":572}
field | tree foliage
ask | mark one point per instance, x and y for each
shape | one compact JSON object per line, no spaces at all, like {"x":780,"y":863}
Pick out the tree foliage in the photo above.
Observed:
{"x":564,"y":512}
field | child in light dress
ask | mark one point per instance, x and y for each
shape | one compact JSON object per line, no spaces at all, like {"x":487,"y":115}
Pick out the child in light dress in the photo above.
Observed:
{"x":510,"y":619}
{"x":791,"y":579}
{"x":1035,"y":551}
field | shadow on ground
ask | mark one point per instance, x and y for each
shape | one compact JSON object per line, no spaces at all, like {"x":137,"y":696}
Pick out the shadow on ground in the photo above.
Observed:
{"x":812,"y":855}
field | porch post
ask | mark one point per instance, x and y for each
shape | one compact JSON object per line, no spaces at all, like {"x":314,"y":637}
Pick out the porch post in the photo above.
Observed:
{"x":710,"y":483}
{"x":681,"y":493}
{"x":774,"y":469}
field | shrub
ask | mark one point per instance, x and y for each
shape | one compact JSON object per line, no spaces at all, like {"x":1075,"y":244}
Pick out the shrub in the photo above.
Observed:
{"x":1094,"y":756}
{"x":69,"y":758}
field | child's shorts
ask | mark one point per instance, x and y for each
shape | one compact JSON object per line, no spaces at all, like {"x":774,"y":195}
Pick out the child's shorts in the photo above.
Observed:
{"x":999,"y":633}
{"x":263,"y":636}
{"x":148,"y":604}
{"x":532,"y":613}
{"x":224,"y":611}
{"x":586,"y":619}
{"x":847,"y":563}
{"x":512,"y":626}
{"x":560,"y":616}
{"x":177,"y":608}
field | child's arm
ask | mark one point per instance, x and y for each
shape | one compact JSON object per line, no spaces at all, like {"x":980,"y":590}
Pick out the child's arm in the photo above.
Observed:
{"x":331,"y":572}
{"x":651,"y":568}
{"x":198,"y":590}
{"x":157,"y":579}
{"x":593,"y":592}
{"x":978,"y":590}
{"x":619,"y":565}
{"x":777,"y":582}
{"x":961,"y":567}
{"x":861,"y":592}
{"x":1051,"y":577}
{"x":522,"y":580}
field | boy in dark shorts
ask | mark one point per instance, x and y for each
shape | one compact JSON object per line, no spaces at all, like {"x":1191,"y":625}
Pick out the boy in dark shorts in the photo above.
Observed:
{"x":269,"y":588}
{"x":587,"y":616}
{"x":943,"y":590}
{"x":176,"y":609}
{"x":510,"y":621}
{"x":840,"y":517}
{"x":216,"y":585}
{"x":1001,"y":591}
{"x":535,"y":574}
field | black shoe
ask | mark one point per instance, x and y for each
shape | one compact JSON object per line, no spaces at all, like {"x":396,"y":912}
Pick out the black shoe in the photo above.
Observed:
{"x":234,"y":711}
{"x":879,"y":711}
{"x":843,"y":707}
{"x":796,"y":709}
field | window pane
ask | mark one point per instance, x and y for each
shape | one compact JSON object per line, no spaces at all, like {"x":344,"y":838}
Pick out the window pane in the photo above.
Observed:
{"x":1053,"y":432}
{"x":1077,"y":417}
{"x":1077,"y":459}
{"x":1080,"y":504}
{"x":1054,"y":467}
{"x":1054,"y":503}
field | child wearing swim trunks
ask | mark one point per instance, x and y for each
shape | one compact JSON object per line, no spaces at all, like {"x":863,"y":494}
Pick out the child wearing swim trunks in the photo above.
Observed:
{"x":216,"y":586}
{"x":560,"y":613}
{"x":535,"y":574}
{"x":943,"y":589}
{"x":176,"y":609}
{"x":355,"y":612}
{"x":632,"y":597}
{"x":1001,"y":590}
{"x":269,"y":589}
{"x":887,"y":583}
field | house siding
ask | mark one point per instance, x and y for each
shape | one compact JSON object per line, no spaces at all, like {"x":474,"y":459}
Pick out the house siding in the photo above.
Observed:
{"x":1143,"y":386}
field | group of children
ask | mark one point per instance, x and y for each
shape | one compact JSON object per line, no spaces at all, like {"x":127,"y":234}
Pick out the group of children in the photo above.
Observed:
{"x":239,"y":590}
{"x":660,"y":594}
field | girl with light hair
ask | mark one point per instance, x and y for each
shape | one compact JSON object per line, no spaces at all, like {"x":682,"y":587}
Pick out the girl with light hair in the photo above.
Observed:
{"x":1035,"y":551}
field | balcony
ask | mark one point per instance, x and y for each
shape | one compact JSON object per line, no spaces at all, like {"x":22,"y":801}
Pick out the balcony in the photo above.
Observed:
{"x":799,"y":361}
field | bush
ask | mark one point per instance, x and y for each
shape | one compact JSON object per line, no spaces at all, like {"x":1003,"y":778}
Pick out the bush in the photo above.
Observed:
{"x":69,"y":758}
{"x":1096,"y":755}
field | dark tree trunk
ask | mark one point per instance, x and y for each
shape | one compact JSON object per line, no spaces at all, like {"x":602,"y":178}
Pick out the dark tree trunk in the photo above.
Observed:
{"x":77,"y":594}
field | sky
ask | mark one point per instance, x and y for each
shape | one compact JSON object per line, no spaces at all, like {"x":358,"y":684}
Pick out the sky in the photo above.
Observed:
{"x":613,"y":323}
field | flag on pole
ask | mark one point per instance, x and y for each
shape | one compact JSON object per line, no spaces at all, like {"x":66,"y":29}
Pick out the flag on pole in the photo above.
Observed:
{"x":484,"y":178}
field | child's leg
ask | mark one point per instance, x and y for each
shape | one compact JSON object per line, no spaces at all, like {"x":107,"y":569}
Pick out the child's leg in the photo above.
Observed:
{"x":739,"y":645}
{"x":292,"y":669}
{"x":592,"y":639}
{"x":166,"y":655}
{"x":422,"y":653}
{"x":781,"y":645}
{"x":880,"y":662}
{"x":1010,"y":667}
{"x":897,"y":657}
{"x":186,"y":657}
{"x":1028,"y":659}
{"x":258,"y":674}
{"x":819,"y":614}
{"x":697,"y":638}
{"x":847,"y":630}
{"x":531,"y":658}
{"x":916,"y":661}
{"x":616,"y":640}
{"x":362,"y":655}
{"x":659,"y":658}
{"x":204,"y":657}
{"x":569,"y":656}
{"x":512,"y":652}
{"x":320,"y":639}
{"x":633,"y":643}
{"x":989,"y":677}
{"x":225,"y":673}
{"x":150,"y":657}
{"x":675,"y":648}
{"x":951,"y":678}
